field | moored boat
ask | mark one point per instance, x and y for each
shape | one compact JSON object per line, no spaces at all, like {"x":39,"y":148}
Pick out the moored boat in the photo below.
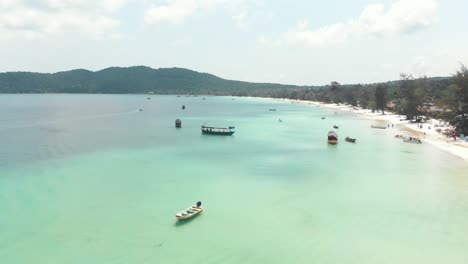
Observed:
{"x":400,"y":136}
{"x":190,"y":212}
{"x":336,"y":127}
{"x":222,"y":131}
{"x":412,"y":140}
{"x":379,"y":127}
{"x":351,"y":140}
{"x":178,"y":123}
{"x":332,"y":138}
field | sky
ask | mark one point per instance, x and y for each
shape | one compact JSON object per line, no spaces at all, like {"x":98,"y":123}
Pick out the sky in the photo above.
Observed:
{"x":304,"y":42}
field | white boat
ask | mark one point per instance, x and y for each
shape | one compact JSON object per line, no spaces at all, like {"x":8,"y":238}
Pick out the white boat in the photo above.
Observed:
{"x":190,"y":212}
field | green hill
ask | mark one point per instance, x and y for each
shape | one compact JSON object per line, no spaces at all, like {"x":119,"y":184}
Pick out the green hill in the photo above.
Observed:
{"x":138,"y":79}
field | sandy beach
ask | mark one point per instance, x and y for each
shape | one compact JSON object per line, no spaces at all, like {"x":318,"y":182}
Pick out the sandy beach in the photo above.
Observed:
{"x":427,"y":133}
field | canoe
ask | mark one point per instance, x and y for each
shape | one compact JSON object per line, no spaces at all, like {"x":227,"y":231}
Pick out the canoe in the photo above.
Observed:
{"x":352,"y":140}
{"x":189,"y":212}
{"x":379,"y":127}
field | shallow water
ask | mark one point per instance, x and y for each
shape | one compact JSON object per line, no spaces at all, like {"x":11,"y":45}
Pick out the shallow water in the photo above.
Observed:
{"x":90,"y":179}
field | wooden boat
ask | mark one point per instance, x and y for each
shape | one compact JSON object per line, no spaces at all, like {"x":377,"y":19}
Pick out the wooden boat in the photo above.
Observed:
{"x":190,"y":212}
{"x":222,"y":131}
{"x":178,"y":123}
{"x":352,"y":140}
{"x":335,"y":127}
{"x":379,"y":127}
{"x":332,"y":138}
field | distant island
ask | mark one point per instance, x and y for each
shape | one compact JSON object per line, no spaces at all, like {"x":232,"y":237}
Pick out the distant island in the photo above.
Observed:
{"x":438,"y":97}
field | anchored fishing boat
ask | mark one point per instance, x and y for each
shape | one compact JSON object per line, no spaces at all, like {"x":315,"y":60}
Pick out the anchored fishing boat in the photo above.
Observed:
{"x":190,"y":212}
{"x":332,"y":138}
{"x":178,"y":123}
{"x":222,"y":131}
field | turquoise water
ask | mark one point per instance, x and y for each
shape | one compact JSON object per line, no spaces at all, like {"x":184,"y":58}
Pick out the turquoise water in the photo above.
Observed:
{"x":89,"y":179}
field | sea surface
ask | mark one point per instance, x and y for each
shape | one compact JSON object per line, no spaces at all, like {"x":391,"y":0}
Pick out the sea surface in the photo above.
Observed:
{"x":91,"y":179}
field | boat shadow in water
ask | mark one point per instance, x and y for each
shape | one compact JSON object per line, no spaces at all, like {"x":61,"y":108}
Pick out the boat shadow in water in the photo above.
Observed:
{"x":180,"y":223}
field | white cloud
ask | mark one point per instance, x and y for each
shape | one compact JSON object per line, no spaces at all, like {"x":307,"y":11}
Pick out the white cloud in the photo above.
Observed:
{"x":420,"y":66}
{"x":269,"y":42}
{"x":403,"y":16}
{"x":21,"y":19}
{"x":240,"y":19}
{"x":176,"y":11}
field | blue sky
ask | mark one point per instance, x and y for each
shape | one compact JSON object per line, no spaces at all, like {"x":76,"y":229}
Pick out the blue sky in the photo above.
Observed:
{"x":299,"y":42}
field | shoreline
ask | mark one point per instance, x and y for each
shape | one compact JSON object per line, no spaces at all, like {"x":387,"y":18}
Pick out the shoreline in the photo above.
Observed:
{"x":427,"y":133}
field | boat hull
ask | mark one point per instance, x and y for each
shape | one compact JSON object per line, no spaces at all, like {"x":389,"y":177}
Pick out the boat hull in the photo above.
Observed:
{"x":227,"y":133}
{"x":197,"y":210}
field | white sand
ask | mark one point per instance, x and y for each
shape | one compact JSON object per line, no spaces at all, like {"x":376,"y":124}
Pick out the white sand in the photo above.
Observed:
{"x":426,"y":134}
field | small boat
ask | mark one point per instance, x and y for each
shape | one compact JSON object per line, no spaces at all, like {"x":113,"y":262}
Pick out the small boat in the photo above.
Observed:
{"x":323,"y":117}
{"x":272,"y":109}
{"x":400,"y":136}
{"x":149,"y":98}
{"x":178,"y":123}
{"x":379,"y":127}
{"x":351,"y":140}
{"x":204,"y":98}
{"x":183,"y":107}
{"x":332,"y":138}
{"x":140,"y":110}
{"x":222,"y":131}
{"x":412,"y":140}
{"x":335,"y":127}
{"x":189,"y":212}
{"x":279,"y":120}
